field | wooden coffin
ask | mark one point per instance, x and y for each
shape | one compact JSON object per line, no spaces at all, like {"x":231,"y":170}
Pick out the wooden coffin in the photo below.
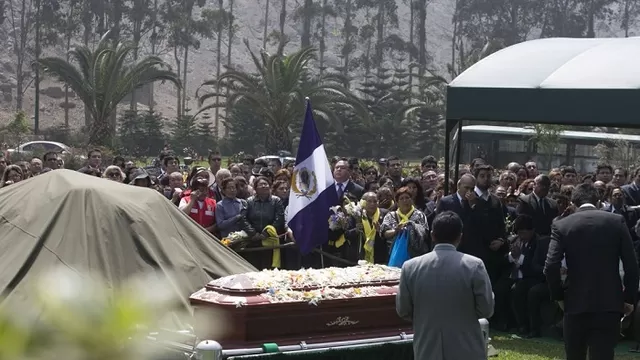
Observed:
{"x":287,"y":307}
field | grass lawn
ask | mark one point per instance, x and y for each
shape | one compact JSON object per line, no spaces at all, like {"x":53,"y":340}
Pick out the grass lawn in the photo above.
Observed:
{"x":513,"y":348}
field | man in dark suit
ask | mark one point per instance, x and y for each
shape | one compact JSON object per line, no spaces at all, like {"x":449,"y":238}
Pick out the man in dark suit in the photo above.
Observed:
{"x":342,"y":174}
{"x":536,"y":205}
{"x":526,"y":274}
{"x":459,"y":201}
{"x":632,"y":191}
{"x":593,"y":243}
{"x":630,"y":214}
{"x":484,"y":233}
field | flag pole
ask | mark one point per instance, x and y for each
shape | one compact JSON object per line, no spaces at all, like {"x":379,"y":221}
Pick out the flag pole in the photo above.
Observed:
{"x":307,"y":103}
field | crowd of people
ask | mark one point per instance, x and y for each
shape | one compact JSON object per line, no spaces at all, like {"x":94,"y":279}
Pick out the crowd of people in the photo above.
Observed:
{"x":507,"y":213}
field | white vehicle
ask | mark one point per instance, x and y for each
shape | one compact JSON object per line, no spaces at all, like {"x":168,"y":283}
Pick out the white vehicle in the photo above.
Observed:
{"x":283,"y":159}
{"x":41,"y":146}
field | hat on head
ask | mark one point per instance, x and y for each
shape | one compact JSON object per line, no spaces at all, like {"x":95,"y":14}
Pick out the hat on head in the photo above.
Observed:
{"x":139,"y":174}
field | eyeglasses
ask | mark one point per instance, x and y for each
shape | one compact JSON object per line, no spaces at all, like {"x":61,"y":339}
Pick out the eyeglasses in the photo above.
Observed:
{"x":113,"y":175}
{"x":216,"y":159}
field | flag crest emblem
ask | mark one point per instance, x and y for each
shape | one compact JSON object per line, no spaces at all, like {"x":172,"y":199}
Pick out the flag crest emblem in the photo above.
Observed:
{"x":304,"y":183}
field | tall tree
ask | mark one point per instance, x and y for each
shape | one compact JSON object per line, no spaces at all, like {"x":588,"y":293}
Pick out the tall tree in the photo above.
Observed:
{"x":308,"y":13}
{"x":231,"y":32}
{"x":506,"y":21}
{"x":327,"y":10}
{"x":563,"y":18}
{"x":21,"y":20}
{"x":283,"y":39}
{"x":184,"y":33}
{"x":277,"y":95}
{"x":349,"y":33}
{"x":421,"y":9}
{"x":222,"y":20}
{"x":140,"y":15}
{"x":628,"y":14}
{"x":103,"y":77}
{"x":265,"y":34}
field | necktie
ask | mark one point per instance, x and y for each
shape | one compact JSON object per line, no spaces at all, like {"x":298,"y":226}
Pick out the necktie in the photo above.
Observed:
{"x":340,"y":190}
{"x":542,"y":206}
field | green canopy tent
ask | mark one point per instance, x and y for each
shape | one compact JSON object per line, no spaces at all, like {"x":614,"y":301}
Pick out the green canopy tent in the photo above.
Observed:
{"x":587,"y":82}
{"x":96,"y":226}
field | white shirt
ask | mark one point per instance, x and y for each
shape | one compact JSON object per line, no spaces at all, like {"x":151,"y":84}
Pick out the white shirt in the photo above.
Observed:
{"x":518,"y":262}
{"x":344,"y":186}
{"x":483,"y":195}
{"x":184,"y":203}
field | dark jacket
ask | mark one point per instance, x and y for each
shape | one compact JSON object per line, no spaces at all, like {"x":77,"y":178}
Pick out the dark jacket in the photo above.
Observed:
{"x":483,"y":223}
{"x":533,"y":264}
{"x":354,"y":189}
{"x":542,"y":218}
{"x":631,"y":194}
{"x":262,"y":213}
{"x":540,"y":256}
{"x":593,"y":243}
{"x":380,"y":246}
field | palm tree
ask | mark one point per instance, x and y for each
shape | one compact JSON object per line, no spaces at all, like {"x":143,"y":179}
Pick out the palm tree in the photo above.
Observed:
{"x":104,"y":77}
{"x":276,"y":94}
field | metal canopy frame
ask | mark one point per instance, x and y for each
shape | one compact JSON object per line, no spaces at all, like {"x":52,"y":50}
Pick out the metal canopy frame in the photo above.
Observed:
{"x":489,"y":90}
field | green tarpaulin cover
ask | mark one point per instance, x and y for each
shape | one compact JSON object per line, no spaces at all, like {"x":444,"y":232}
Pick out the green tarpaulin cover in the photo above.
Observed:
{"x":93,"y":225}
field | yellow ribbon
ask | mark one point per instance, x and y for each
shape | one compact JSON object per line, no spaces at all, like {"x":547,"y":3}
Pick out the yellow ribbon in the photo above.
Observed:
{"x":341,"y":240}
{"x":370,"y":234}
{"x":272,"y":240}
{"x":404,"y":218}
{"x":338,"y":243}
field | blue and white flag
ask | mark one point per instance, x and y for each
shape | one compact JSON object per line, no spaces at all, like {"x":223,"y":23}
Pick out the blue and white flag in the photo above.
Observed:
{"x":313,"y":189}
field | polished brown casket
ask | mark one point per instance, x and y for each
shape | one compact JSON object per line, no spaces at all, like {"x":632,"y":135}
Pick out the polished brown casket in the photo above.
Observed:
{"x":238,"y":313}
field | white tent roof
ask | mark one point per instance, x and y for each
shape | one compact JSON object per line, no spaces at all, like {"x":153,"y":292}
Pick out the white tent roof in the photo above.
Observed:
{"x":559,"y":63}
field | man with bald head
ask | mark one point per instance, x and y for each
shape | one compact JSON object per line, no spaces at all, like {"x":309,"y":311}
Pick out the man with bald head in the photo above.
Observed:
{"x":536,"y":205}
{"x":459,"y":201}
{"x":374,"y":247}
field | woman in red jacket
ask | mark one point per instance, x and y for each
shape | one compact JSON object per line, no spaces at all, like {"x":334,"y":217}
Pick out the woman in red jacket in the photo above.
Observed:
{"x":199,"y":205}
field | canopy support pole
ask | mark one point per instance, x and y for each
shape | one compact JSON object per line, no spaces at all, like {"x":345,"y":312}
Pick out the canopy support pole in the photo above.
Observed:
{"x":450,"y":125}
{"x":456,"y":164}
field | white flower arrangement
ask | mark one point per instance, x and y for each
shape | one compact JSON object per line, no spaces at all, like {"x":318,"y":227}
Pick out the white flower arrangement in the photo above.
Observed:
{"x":338,"y":219}
{"x":353,"y":209}
{"x":235,"y":237}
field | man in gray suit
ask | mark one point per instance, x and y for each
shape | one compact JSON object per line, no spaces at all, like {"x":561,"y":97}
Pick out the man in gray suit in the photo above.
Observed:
{"x":444,"y":293}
